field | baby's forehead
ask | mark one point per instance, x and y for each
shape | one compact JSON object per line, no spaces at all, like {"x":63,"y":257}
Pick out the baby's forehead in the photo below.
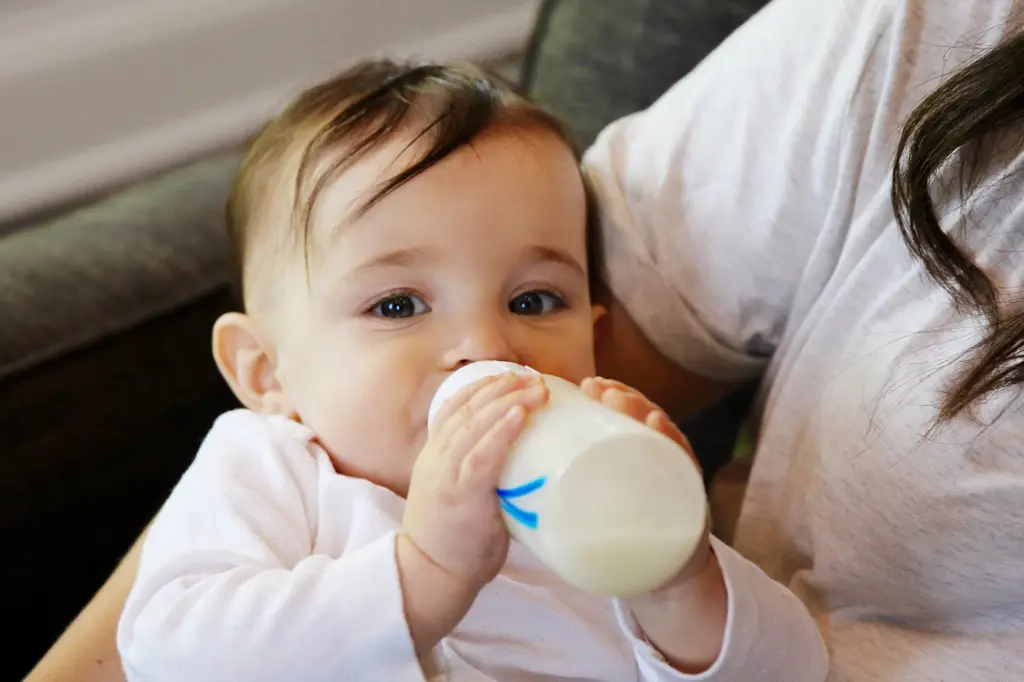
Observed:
{"x":465,"y":193}
{"x":440,"y":191}
{"x":342,"y":194}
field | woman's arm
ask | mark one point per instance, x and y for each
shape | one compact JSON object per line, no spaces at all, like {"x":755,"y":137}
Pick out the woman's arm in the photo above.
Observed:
{"x":87,"y":650}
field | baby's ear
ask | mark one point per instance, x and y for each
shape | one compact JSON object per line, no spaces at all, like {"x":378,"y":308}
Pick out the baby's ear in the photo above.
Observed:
{"x":599,"y":315}
{"x":246,"y":362}
{"x":600,"y":300}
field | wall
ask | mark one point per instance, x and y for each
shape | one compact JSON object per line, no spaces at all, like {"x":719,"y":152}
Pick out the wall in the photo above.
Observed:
{"x":95,"y":92}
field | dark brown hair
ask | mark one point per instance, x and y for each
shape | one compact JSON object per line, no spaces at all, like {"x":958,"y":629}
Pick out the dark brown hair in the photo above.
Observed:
{"x":979,"y":106}
{"x":335,"y":124}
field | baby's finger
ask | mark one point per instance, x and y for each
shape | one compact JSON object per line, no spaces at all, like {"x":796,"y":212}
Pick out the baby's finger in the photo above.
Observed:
{"x":464,"y":394}
{"x":482,"y":392}
{"x":592,"y":388}
{"x":612,"y":383}
{"x":482,"y":465}
{"x":464,"y":439}
{"x":596,"y":387}
{"x":660,"y":422}
{"x":631,"y":404}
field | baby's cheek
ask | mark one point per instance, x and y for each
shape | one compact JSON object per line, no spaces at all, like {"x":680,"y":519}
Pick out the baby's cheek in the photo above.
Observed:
{"x":572,"y":362}
{"x":574,"y":373}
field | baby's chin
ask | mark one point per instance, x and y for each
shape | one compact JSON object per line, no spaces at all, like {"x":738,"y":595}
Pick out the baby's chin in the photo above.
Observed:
{"x":387,"y":466}
{"x":396,"y":483}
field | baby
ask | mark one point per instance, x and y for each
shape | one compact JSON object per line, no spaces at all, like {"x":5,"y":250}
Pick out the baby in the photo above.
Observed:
{"x":390,"y":226}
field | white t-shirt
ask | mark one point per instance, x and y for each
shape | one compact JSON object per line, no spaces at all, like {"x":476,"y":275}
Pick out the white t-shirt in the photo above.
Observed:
{"x":749,"y":231}
{"x":265,"y":565}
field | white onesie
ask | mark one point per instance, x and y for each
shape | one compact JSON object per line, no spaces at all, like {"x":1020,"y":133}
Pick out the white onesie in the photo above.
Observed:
{"x":267,"y":565}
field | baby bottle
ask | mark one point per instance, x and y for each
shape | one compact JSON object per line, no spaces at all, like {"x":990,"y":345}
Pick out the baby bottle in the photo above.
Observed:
{"x":610,"y":505}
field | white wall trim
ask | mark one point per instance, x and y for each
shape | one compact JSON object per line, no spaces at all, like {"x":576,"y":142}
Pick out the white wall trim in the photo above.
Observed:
{"x":90,"y":100}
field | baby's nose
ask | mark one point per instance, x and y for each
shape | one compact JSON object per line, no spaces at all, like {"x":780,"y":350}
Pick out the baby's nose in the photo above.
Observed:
{"x":483,"y":341}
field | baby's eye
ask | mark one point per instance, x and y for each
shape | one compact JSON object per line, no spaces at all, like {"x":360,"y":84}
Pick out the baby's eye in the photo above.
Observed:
{"x":399,"y":306}
{"x":536,"y":303}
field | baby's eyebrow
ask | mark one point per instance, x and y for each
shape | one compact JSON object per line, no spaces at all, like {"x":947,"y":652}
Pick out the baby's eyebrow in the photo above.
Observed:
{"x":398,"y":258}
{"x":542,"y":254}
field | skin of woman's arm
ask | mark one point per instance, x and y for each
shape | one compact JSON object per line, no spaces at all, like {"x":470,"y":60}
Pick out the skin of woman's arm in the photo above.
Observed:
{"x":87,"y":650}
{"x":625,"y":354}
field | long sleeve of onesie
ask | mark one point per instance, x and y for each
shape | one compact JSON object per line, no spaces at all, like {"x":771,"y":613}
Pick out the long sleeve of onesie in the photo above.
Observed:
{"x":230,"y":586}
{"x":768,"y":634}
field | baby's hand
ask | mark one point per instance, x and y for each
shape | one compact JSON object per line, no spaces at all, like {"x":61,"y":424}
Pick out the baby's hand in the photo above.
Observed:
{"x":629,"y":401}
{"x":453,"y":530}
{"x":452,"y":514}
{"x":685,"y":618}
{"x":620,"y":397}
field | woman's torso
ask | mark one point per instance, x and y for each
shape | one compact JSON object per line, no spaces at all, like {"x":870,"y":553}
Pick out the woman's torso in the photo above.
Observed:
{"x":892,"y":530}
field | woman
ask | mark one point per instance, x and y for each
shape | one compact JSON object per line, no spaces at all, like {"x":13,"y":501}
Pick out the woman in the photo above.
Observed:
{"x":755,"y":227}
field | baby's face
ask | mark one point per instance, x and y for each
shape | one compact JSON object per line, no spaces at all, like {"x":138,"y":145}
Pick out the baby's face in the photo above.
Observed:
{"x":482,"y":257}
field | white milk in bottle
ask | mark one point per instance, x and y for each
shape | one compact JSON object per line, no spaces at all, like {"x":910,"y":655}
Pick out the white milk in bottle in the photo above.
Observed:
{"x":612,"y":506}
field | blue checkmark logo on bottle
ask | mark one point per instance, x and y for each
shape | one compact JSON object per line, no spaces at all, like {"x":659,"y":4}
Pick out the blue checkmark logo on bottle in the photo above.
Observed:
{"x":505,"y":495}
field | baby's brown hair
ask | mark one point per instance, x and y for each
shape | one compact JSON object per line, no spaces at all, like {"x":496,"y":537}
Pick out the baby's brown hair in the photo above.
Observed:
{"x":331,"y":126}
